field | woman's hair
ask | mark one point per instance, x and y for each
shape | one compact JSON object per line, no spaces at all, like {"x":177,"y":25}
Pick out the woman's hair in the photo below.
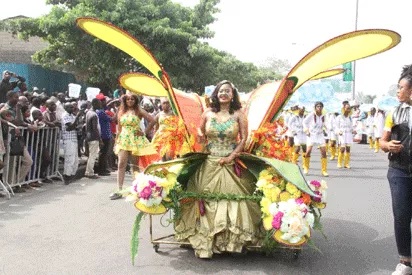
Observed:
{"x":234,"y":103}
{"x":407,"y":74}
{"x":123,"y":106}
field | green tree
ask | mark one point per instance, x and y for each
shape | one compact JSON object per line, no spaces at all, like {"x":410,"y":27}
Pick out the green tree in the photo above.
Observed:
{"x":278,"y":67}
{"x":168,"y":29}
{"x":173,"y":34}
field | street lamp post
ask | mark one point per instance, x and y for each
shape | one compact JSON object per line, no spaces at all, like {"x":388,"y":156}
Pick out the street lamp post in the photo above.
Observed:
{"x":354,"y":62}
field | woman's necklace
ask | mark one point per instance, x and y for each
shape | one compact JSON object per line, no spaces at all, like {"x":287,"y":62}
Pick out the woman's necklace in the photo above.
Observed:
{"x":221,"y":127}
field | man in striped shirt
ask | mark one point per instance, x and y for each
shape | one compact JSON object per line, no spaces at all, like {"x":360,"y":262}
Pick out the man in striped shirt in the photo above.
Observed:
{"x":69,"y":136}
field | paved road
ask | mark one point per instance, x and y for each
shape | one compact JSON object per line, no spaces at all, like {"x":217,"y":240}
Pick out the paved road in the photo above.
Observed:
{"x":76,"y":229}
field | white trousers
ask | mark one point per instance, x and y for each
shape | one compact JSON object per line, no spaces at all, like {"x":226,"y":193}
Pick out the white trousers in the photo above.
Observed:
{"x":71,"y":158}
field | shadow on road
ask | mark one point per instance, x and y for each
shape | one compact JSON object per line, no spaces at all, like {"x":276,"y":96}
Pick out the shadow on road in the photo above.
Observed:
{"x":350,"y":248}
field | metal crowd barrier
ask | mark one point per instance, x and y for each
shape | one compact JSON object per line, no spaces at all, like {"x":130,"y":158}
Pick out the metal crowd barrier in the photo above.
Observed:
{"x":37,"y":143}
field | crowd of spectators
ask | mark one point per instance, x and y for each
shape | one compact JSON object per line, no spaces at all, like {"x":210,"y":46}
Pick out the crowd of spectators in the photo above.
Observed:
{"x":88,"y":128}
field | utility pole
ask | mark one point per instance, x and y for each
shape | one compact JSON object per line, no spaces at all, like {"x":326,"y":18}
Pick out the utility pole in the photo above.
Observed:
{"x":354,"y":62}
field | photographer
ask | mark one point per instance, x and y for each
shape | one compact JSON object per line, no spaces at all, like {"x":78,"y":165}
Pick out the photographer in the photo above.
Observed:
{"x":7,"y":85}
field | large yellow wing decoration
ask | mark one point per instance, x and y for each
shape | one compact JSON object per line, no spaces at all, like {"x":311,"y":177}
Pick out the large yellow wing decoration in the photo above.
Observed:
{"x":130,"y":45}
{"x":187,"y":107}
{"x":190,"y":104}
{"x":341,"y":49}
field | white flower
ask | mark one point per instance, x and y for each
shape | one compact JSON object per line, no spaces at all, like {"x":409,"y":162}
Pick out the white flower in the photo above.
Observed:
{"x":310,"y":219}
{"x":296,"y":221}
{"x":261,"y":183}
{"x":273,"y":209}
{"x":322,"y":190}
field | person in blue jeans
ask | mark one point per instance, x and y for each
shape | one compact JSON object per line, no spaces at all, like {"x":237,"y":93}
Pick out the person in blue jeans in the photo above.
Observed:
{"x":396,"y":141}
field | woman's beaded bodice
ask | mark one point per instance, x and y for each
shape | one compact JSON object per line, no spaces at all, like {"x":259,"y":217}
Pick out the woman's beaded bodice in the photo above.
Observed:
{"x":222,"y":136}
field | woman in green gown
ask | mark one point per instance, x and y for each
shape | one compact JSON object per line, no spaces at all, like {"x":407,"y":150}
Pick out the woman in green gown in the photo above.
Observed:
{"x":216,"y":226}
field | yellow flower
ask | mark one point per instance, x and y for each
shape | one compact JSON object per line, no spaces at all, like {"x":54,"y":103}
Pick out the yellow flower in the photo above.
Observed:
{"x":291,"y":188}
{"x":319,"y":205}
{"x":284,"y":196}
{"x":168,"y":182}
{"x":272,"y":193}
{"x":297,"y":194}
{"x":264,"y":205}
{"x":264,"y":174}
{"x":281,"y":184}
{"x":267,"y":222}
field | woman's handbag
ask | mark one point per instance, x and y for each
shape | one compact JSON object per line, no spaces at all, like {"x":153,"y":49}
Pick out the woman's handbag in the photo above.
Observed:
{"x":16,"y":145}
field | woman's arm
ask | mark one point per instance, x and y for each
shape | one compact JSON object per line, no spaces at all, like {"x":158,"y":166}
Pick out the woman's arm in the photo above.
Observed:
{"x":119,"y":128}
{"x":154,"y":123}
{"x":143,"y":114}
{"x":202,"y":127}
{"x":243,"y":131}
{"x":306,"y":123}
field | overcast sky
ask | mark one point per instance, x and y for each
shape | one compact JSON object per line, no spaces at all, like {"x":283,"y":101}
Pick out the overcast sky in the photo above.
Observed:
{"x":258,"y":29}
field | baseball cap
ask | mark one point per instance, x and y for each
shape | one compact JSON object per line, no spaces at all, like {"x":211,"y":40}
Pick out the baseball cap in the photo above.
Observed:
{"x":101,"y":96}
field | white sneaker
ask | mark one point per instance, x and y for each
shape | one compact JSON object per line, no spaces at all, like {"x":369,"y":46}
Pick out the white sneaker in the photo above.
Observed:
{"x":402,"y":269}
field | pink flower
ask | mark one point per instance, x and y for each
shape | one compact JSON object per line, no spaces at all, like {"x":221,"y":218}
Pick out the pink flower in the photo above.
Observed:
{"x":146,"y":193}
{"x":299,"y":201}
{"x":318,"y":198}
{"x":152,"y":183}
{"x":315,"y":183}
{"x":277,"y":220}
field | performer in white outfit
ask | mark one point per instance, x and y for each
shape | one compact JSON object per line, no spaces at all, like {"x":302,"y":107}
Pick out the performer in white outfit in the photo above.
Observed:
{"x":330,"y":128}
{"x":313,"y":126}
{"x":370,"y":132}
{"x":344,"y":128}
{"x":299,"y":136}
{"x":288,"y":137}
{"x":378,"y":123}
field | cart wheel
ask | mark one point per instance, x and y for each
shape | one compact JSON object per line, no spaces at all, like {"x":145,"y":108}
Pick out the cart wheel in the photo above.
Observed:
{"x":296,"y":253}
{"x":156,"y":248}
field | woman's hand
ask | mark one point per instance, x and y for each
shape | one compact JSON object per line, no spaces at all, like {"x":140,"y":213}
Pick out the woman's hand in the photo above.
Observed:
{"x":228,"y":159}
{"x":201,"y":138}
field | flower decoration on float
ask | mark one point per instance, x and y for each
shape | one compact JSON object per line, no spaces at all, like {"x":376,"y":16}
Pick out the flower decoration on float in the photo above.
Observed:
{"x":269,"y":143}
{"x":151,"y":192}
{"x":172,"y":139}
{"x":288,"y":214}
{"x":319,"y":188}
